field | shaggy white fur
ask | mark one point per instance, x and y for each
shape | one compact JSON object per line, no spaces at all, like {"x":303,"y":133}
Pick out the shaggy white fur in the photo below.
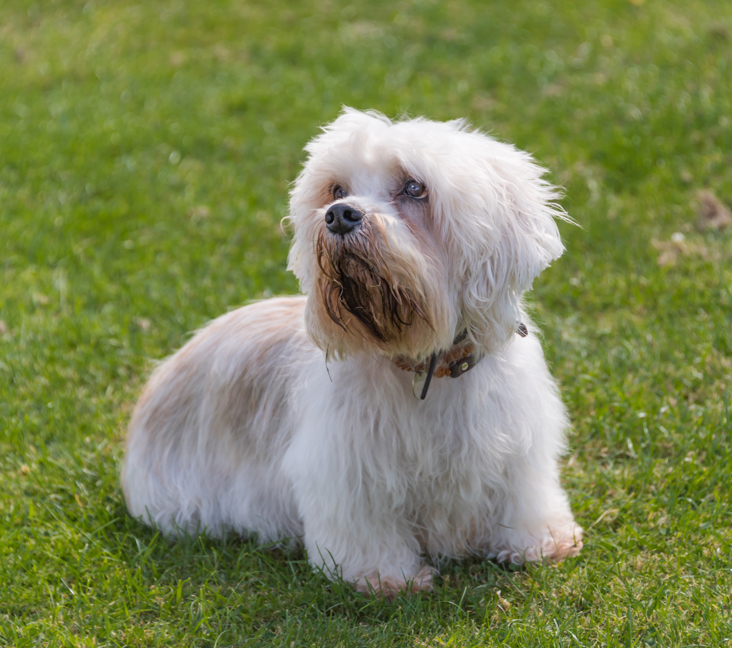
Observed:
{"x":292,"y":419}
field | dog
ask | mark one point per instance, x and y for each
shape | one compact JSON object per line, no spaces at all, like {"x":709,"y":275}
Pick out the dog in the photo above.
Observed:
{"x":401,"y":408}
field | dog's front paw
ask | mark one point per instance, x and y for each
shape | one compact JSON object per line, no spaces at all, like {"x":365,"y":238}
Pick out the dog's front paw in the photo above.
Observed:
{"x":555,"y":545}
{"x":390,"y":586}
{"x":568,"y":546}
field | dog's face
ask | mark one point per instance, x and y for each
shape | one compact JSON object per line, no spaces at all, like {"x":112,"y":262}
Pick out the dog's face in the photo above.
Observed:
{"x":408,"y":233}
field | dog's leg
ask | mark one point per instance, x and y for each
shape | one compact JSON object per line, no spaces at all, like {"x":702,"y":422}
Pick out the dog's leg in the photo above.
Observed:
{"x":537,"y":522}
{"x":376,"y":555}
{"x":531,"y":518}
{"x":352,"y":529}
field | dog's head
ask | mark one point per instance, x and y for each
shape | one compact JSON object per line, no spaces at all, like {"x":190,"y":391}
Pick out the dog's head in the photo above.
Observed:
{"x":408,"y":233}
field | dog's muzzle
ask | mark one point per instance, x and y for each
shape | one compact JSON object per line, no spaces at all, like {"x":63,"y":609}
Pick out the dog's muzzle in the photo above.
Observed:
{"x":342,"y":218}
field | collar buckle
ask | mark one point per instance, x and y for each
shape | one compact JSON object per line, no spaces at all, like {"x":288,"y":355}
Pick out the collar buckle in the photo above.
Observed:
{"x":463,"y":365}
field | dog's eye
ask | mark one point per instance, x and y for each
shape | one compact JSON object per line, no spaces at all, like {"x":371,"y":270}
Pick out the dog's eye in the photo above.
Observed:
{"x":415,"y":189}
{"x":338,"y":192}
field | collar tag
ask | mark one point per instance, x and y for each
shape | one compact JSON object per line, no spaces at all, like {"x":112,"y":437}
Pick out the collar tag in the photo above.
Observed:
{"x":420,"y":377}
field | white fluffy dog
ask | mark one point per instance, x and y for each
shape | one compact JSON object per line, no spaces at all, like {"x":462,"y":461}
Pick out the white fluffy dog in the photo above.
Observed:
{"x":402,"y":407}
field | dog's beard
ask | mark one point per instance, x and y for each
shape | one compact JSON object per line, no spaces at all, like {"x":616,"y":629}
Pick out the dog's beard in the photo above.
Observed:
{"x":356,"y":280}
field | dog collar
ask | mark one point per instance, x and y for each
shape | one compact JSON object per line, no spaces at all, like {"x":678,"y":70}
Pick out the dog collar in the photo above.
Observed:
{"x":457,"y":360}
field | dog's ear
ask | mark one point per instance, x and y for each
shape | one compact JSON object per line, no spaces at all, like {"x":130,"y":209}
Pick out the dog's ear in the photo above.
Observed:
{"x":514,"y":238}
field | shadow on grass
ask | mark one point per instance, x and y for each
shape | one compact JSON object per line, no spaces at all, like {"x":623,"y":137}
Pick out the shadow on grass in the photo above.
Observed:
{"x":267,"y":584}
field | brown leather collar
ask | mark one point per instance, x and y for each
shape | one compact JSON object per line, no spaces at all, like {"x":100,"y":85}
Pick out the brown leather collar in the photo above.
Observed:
{"x":457,"y":360}
{"x":445,"y":364}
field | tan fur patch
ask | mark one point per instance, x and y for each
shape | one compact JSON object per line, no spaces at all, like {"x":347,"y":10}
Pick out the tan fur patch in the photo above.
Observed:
{"x":356,"y":280}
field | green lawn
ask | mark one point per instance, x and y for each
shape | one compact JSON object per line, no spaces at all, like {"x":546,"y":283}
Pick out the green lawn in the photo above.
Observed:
{"x":146,"y":151}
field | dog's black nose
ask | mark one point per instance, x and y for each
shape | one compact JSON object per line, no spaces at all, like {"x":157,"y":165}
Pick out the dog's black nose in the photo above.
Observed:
{"x":342,"y":218}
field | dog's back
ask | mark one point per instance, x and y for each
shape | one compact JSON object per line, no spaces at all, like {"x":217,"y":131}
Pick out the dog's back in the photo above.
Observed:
{"x":206,"y":433}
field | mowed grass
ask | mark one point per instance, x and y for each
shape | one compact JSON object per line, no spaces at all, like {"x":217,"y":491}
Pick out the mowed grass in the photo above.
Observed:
{"x":146,"y":151}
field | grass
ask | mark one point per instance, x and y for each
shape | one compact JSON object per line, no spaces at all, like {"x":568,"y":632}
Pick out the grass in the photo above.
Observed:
{"x":145,"y":155}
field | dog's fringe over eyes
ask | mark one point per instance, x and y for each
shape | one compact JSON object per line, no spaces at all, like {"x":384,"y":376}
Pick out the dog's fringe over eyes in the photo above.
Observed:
{"x":356,"y":279}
